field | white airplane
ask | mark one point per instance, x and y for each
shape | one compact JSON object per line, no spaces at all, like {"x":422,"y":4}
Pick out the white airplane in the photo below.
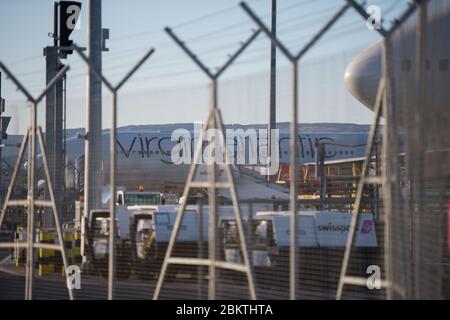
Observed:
{"x":362,"y":77}
{"x":364,"y":72}
{"x":144,"y":158}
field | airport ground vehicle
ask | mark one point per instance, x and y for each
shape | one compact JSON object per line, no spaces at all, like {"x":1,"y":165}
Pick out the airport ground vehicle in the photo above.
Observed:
{"x":98,"y":230}
{"x":144,"y":232}
{"x":142,"y":238}
{"x":151,"y":229}
{"x":322,"y":237}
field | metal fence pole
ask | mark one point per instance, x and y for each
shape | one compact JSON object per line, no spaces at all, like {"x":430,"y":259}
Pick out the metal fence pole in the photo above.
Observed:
{"x":418,"y":135}
{"x":112,"y":203}
{"x":28,"y":279}
{"x":294,"y":60}
{"x":200,"y":249}
{"x":212,"y":206}
{"x":214,"y":116}
{"x":113,"y":157}
{"x":31,"y":189}
{"x":273,"y":81}
{"x":31,"y":192}
{"x":390,"y":176}
{"x":31,"y":172}
{"x":293,"y":185}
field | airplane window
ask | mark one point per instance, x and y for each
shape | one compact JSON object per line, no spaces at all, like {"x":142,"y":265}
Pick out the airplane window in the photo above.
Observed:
{"x":151,"y":151}
{"x":156,"y":152}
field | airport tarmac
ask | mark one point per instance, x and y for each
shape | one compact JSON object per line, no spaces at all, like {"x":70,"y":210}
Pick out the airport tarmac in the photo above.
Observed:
{"x":95,"y":287}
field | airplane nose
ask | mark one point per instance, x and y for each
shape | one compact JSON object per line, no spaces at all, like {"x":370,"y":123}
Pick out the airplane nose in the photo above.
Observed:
{"x":363,"y":75}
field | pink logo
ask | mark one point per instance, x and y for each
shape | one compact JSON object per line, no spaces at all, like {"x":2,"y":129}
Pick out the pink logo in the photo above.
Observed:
{"x":366,"y":227}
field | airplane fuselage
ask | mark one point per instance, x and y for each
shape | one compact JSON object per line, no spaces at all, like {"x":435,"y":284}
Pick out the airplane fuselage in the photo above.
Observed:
{"x":144,"y":158}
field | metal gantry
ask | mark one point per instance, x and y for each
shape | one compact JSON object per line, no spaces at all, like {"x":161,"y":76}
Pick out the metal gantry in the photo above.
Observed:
{"x":213,"y":121}
{"x":112,"y":157}
{"x":30,"y":203}
{"x":294,"y":60}
{"x":54,"y":131}
{"x":93,"y":147}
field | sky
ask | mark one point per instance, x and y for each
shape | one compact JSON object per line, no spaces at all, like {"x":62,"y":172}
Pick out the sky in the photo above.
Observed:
{"x":170,"y":88}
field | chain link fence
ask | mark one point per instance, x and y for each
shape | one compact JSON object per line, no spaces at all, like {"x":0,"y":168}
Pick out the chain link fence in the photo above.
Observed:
{"x":401,"y":245}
